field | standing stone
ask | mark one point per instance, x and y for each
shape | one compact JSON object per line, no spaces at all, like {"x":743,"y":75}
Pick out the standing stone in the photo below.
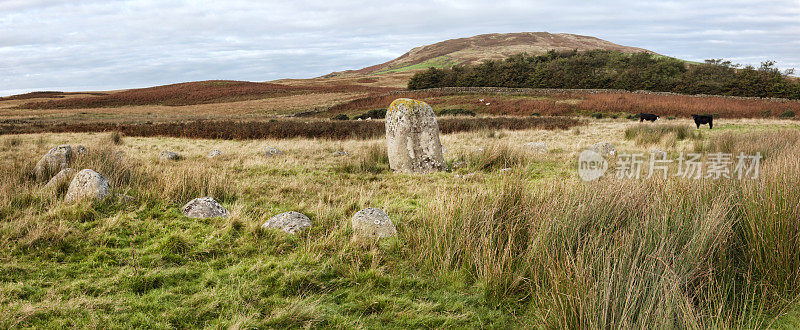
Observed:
{"x":54,"y":161}
{"x":412,"y":137}
{"x":270,"y":151}
{"x":204,"y":207}
{"x":604,"y":148}
{"x":87,"y":185}
{"x":538,"y":147}
{"x":169,"y":155}
{"x":372,"y":223}
{"x":62,"y":176}
{"x":214,"y":153}
{"x":289,"y":222}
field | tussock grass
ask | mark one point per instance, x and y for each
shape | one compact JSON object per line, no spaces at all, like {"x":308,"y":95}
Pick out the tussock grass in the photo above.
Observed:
{"x":115,"y":138}
{"x":494,"y":157}
{"x":374,"y":158}
{"x":647,"y":134}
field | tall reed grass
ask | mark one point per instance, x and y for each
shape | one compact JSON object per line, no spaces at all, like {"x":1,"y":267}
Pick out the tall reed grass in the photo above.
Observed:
{"x":622,"y":254}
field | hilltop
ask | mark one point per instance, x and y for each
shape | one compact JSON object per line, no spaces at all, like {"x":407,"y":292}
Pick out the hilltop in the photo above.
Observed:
{"x":493,"y":46}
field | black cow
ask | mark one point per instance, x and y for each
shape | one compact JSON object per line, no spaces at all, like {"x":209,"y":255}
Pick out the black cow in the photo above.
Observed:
{"x":704,"y":119}
{"x":647,"y":116}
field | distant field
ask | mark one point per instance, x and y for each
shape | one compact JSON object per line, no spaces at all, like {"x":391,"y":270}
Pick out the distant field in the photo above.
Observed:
{"x":243,"y":110}
{"x":577,"y":103}
{"x":194,"y":93}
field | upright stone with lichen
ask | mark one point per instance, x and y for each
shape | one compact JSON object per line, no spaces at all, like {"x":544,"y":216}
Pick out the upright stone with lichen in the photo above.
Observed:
{"x":412,"y":137}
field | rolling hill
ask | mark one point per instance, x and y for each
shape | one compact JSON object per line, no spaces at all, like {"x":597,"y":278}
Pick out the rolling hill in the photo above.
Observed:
{"x":486,"y":47}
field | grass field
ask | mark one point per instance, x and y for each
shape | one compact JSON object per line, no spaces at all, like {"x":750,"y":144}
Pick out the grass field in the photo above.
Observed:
{"x":533,"y":246}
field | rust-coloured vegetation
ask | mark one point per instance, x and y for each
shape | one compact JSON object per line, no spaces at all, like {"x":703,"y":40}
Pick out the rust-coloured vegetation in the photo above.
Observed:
{"x":215,"y":91}
{"x":379,"y":101}
{"x":583,"y":104}
{"x":338,"y":130}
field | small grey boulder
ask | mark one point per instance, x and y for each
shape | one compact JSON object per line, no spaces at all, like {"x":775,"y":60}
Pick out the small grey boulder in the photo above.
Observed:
{"x":290,"y":222}
{"x":214,"y":153}
{"x":270,"y":151}
{"x":372,"y":223}
{"x":537,"y":147}
{"x":169,"y":155}
{"x":204,"y":207}
{"x":87,"y":185}
{"x":53,"y":161}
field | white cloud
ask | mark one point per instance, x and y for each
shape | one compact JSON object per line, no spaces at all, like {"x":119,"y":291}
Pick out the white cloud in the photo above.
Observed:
{"x":70,"y":45}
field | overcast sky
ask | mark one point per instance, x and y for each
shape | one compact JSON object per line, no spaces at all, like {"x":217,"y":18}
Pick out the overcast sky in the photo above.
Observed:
{"x":102,"y":45}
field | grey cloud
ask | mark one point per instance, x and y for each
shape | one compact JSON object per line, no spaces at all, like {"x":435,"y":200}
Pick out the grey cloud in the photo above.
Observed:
{"x":69,"y":45}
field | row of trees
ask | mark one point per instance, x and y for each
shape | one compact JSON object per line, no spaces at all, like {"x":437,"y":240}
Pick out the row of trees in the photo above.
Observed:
{"x":603,"y":69}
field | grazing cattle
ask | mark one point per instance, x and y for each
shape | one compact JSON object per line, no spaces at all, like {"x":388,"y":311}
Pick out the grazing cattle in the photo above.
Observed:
{"x":647,"y":116}
{"x":704,"y":119}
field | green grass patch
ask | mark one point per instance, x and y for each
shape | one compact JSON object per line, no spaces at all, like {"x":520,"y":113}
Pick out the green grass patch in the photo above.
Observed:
{"x":436,"y":62}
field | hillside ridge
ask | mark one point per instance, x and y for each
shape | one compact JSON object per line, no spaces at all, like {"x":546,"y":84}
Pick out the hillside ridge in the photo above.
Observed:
{"x":490,"y":46}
